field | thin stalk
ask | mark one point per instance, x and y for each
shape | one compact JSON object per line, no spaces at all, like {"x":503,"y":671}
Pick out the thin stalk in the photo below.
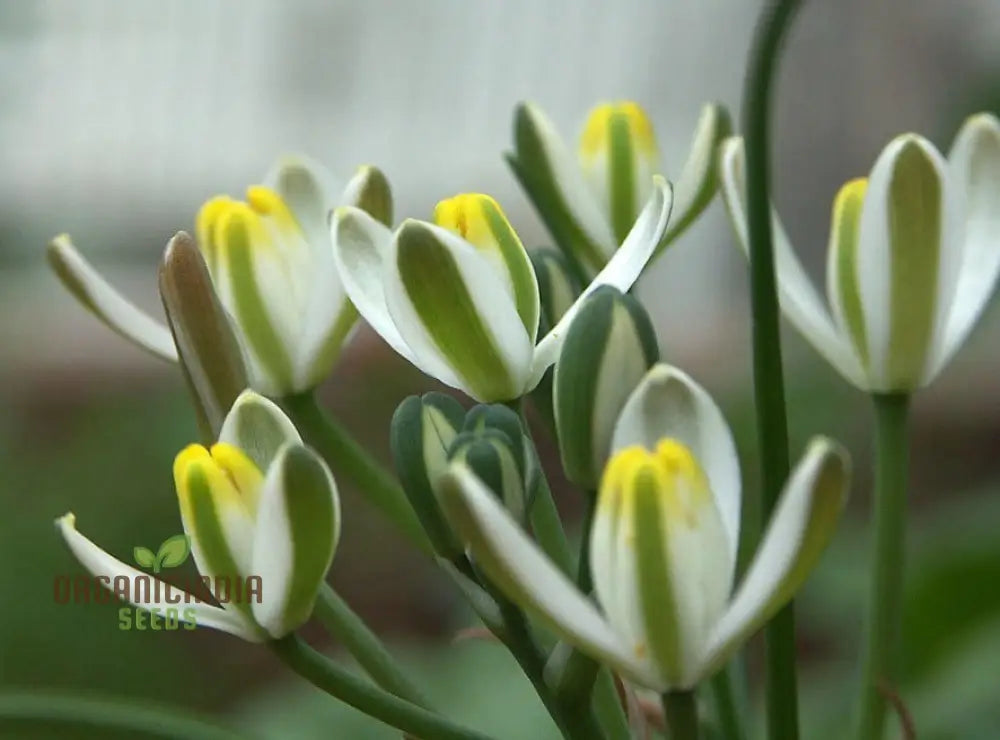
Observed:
{"x":681,"y":714}
{"x":882,"y":627}
{"x":371,"y":700}
{"x":583,"y":576}
{"x":725,"y":704}
{"x":343,"y":624}
{"x":18,"y":708}
{"x":769,"y":386}
{"x":350,"y":460}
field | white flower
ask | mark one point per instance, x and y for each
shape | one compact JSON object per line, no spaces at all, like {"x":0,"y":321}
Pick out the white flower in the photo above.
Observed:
{"x":460,"y":299}
{"x":258,"y":504}
{"x":272,"y":267}
{"x":664,"y":541}
{"x":913,"y":258}
{"x":589,"y":204}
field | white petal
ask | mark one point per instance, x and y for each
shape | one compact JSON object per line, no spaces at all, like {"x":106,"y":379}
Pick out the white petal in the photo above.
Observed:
{"x":258,"y":427}
{"x":526,"y":575}
{"x":621,"y":272}
{"x":100,"y":563}
{"x":801,"y":526}
{"x":577,"y":195}
{"x":698,"y":169}
{"x":308,"y":189}
{"x":800,"y":302}
{"x":296,"y":534}
{"x":669,"y":403}
{"x":110,"y":306}
{"x":361,"y":247}
{"x":974,"y":171}
{"x":491,"y":300}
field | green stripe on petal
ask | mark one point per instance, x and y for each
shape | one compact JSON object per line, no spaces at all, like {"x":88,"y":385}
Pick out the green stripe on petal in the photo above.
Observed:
{"x":915,"y":227}
{"x":515,"y":257}
{"x":845,"y":293}
{"x":258,"y":427}
{"x":215,"y":518}
{"x":239,"y":265}
{"x":438,"y":293}
{"x":656,"y":593}
{"x":297,"y":532}
{"x":621,"y":175}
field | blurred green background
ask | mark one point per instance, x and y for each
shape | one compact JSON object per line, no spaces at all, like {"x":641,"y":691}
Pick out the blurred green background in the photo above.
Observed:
{"x":117,"y":120}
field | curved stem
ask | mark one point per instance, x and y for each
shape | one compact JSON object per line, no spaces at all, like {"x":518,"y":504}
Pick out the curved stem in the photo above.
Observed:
{"x":769,"y":387}
{"x":373,"y":701}
{"x":349,"y":459}
{"x":681,"y":714}
{"x":882,"y":626}
{"x":347,"y":627}
{"x":148,"y":719}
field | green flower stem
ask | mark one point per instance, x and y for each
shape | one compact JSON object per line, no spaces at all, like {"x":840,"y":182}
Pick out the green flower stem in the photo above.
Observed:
{"x":371,"y":700}
{"x":347,"y":627}
{"x":769,"y":387}
{"x":681,"y":714}
{"x":575,"y":721}
{"x":725,"y":705}
{"x":583,"y":576}
{"x":882,"y":626}
{"x":17,"y":708}
{"x":350,"y":460}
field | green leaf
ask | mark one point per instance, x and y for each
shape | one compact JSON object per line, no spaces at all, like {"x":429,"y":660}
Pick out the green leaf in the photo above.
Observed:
{"x":173,"y":552}
{"x":144,"y":557}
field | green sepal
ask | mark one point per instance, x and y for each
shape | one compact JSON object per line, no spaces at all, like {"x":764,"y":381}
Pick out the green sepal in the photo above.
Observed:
{"x":491,"y":456}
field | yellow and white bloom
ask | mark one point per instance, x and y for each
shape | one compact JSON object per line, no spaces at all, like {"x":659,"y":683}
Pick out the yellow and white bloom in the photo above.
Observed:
{"x":913,"y":258}
{"x":589,"y":204}
{"x":272,"y":267}
{"x":459,"y":298}
{"x":664,"y":541}
{"x":258,"y":504}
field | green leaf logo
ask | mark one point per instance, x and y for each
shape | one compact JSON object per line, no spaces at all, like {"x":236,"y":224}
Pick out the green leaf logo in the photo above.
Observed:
{"x":144,"y":557}
{"x":173,"y":552}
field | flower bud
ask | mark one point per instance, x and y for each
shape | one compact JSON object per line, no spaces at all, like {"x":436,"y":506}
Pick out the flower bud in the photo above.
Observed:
{"x":608,"y":349}
{"x":558,"y":289}
{"x":369,"y":190}
{"x":421,"y":431}
{"x":493,"y":446}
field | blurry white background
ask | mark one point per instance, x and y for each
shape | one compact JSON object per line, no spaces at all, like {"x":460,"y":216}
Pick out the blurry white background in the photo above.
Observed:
{"x":118,"y":119}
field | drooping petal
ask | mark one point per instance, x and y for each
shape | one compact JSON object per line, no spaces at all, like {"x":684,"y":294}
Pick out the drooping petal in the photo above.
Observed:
{"x":800,"y":529}
{"x":218,"y":516}
{"x":516,"y":565}
{"x":800,"y":302}
{"x":670,"y":541}
{"x":298,"y":527}
{"x":668,"y":403}
{"x":258,"y":427}
{"x":103,"y":565}
{"x":101,"y":299}
{"x":619,"y":156}
{"x":907,"y":261}
{"x":974,"y":170}
{"x":361,"y":247}
{"x":621,"y":272}
{"x":562,"y":196}
{"x":481,"y":222}
{"x":695,"y":187}
{"x":456,"y":314}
